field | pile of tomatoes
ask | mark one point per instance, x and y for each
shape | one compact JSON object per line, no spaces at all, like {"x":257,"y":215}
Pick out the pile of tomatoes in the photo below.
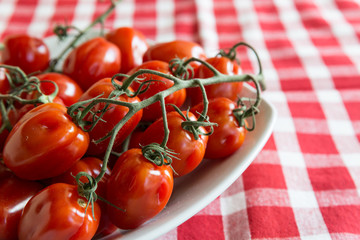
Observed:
{"x":41,"y":194}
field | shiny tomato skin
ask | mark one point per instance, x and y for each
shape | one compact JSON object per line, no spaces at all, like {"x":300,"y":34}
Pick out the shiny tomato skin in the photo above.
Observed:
{"x":91,"y":61}
{"x":114,"y":114}
{"x":139,"y":187}
{"x":153,"y":112}
{"x":69,"y":90}
{"x":132,"y":45}
{"x":92,"y":166}
{"x":29,"y":53}
{"x":57,"y":213}
{"x":14,"y":194}
{"x":189,"y":151}
{"x":175,"y":49}
{"x":44,"y":143}
{"x":227,"y":136}
{"x":228,"y":90}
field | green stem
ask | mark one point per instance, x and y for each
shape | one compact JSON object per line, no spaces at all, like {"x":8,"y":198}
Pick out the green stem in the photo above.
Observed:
{"x":166,"y":128}
{"x":72,"y":44}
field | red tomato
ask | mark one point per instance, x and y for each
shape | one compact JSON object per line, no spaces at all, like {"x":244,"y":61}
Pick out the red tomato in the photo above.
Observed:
{"x":92,"y":61}
{"x":228,"y":90}
{"x":139,"y":187}
{"x":4,"y":83}
{"x":227,"y":136}
{"x":153,"y":112}
{"x":29,"y":53}
{"x":69,"y":90}
{"x":57,"y":213}
{"x":44,"y":143}
{"x":190,"y":151}
{"x":14,"y":194}
{"x":175,"y":49}
{"x":132,"y":45}
{"x":92,"y":166}
{"x":114,"y":114}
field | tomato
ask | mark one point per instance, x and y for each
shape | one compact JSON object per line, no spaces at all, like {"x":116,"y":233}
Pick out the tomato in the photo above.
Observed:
{"x":92,"y":166}
{"x":91,"y":61}
{"x":4,"y":83}
{"x":58,"y":212}
{"x":69,"y":90}
{"x":228,"y":90}
{"x":44,"y":143}
{"x":227,"y":136}
{"x":139,"y":187}
{"x":29,"y":53}
{"x":153,"y":112}
{"x":174,"y":49}
{"x":4,"y":172}
{"x":14,"y":194}
{"x":111,"y":117}
{"x":190,"y":151}
{"x":132,"y":45}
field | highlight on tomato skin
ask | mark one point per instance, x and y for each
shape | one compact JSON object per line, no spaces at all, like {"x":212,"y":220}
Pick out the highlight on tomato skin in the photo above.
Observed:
{"x":112,"y":116}
{"x":174,"y":49}
{"x":139,"y":187}
{"x":29,"y":53}
{"x":14,"y":194}
{"x":154,"y":111}
{"x":228,"y":136}
{"x":91,"y":61}
{"x":68,"y":90}
{"x":228,"y":90}
{"x":58,"y":212}
{"x":91,"y":166}
{"x":44,"y":143}
{"x":189,"y":152}
{"x":132,"y":45}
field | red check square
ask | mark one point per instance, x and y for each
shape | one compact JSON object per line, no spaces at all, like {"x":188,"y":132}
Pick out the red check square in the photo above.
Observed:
{"x":306,"y":110}
{"x":316,"y":143}
{"x":330,"y":178}
{"x":342,"y":219}
{"x":279,"y":222}
{"x":264,"y":176}
{"x":212,"y":224}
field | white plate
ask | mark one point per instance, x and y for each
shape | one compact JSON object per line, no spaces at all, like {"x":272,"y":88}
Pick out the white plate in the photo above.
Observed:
{"x":196,"y":190}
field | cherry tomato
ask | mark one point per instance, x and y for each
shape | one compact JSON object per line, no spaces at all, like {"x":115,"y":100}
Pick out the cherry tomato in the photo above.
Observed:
{"x":92,"y":166}
{"x":92,"y":61}
{"x":14,"y":194}
{"x":228,"y":90}
{"x":57,"y":213}
{"x":29,"y":53}
{"x":139,"y":187}
{"x":132,"y":45}
{"x":4,"y":83}
{"x":111,"y":117}
{"x":69,"y":90}
{"x":227,"y":136}
{"x":190,"y":151}
{"x":4,"y":172}
{"x":174,"y":49}
{"x":44,"y":143}
{"x":153,"y":112}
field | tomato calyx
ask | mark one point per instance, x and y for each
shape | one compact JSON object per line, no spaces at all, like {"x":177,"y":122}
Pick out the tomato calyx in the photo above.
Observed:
{"x":23,"y":90}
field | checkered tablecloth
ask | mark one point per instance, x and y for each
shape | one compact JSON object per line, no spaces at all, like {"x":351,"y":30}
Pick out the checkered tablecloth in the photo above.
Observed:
{"x":305,"y":183}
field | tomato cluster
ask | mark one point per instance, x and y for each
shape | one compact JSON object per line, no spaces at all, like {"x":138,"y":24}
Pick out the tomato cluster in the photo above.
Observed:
{"x":48,"y":145}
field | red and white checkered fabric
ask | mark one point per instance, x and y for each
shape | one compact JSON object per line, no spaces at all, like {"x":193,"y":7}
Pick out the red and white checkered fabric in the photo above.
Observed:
{"x":305,"y":183}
